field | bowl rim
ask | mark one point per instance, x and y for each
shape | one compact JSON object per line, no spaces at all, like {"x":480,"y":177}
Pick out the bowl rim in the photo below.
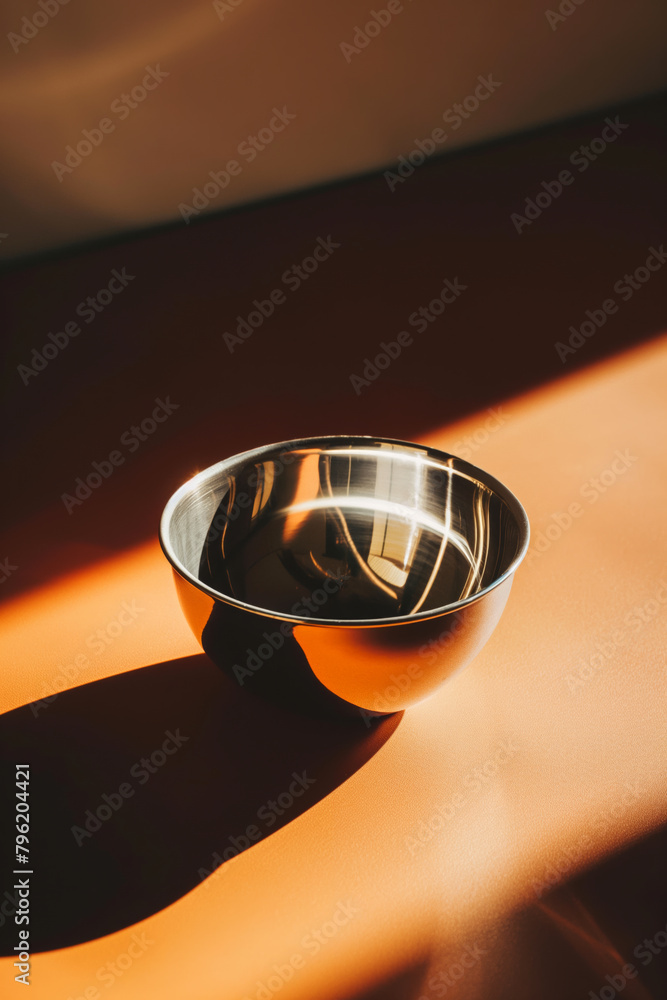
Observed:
{"x":463,"y":466}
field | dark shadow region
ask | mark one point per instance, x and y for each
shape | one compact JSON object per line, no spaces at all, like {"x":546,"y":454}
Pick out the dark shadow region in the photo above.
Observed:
{"x":141,"y":784}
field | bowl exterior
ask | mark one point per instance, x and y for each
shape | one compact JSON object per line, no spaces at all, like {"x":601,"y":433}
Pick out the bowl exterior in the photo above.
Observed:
{"x":336,"y":669}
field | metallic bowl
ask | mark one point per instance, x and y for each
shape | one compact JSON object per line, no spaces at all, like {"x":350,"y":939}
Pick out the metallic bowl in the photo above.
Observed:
{"x":343,"y":574}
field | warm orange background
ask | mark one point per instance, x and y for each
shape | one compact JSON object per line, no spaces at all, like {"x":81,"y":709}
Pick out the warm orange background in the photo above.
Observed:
{"x":574,"y":751}
{"x":563,"y":788}
{"x":226,"y":76}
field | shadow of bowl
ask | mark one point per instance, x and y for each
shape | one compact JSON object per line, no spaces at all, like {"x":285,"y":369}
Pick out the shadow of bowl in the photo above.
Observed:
{"x":143,"y":783}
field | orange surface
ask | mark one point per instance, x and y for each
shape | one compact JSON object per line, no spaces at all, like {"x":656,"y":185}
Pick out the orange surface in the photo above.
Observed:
{"x":573,"y":744}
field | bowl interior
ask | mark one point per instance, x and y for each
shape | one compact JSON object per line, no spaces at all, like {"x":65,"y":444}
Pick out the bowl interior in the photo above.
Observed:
{"x":345,"y":530}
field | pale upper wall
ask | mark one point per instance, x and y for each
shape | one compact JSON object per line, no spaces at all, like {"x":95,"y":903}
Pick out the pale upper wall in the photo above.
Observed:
{"x":228,"y":70}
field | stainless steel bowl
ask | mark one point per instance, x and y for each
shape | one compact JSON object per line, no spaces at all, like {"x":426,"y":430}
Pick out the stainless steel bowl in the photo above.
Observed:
{"x":343,"y":573}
